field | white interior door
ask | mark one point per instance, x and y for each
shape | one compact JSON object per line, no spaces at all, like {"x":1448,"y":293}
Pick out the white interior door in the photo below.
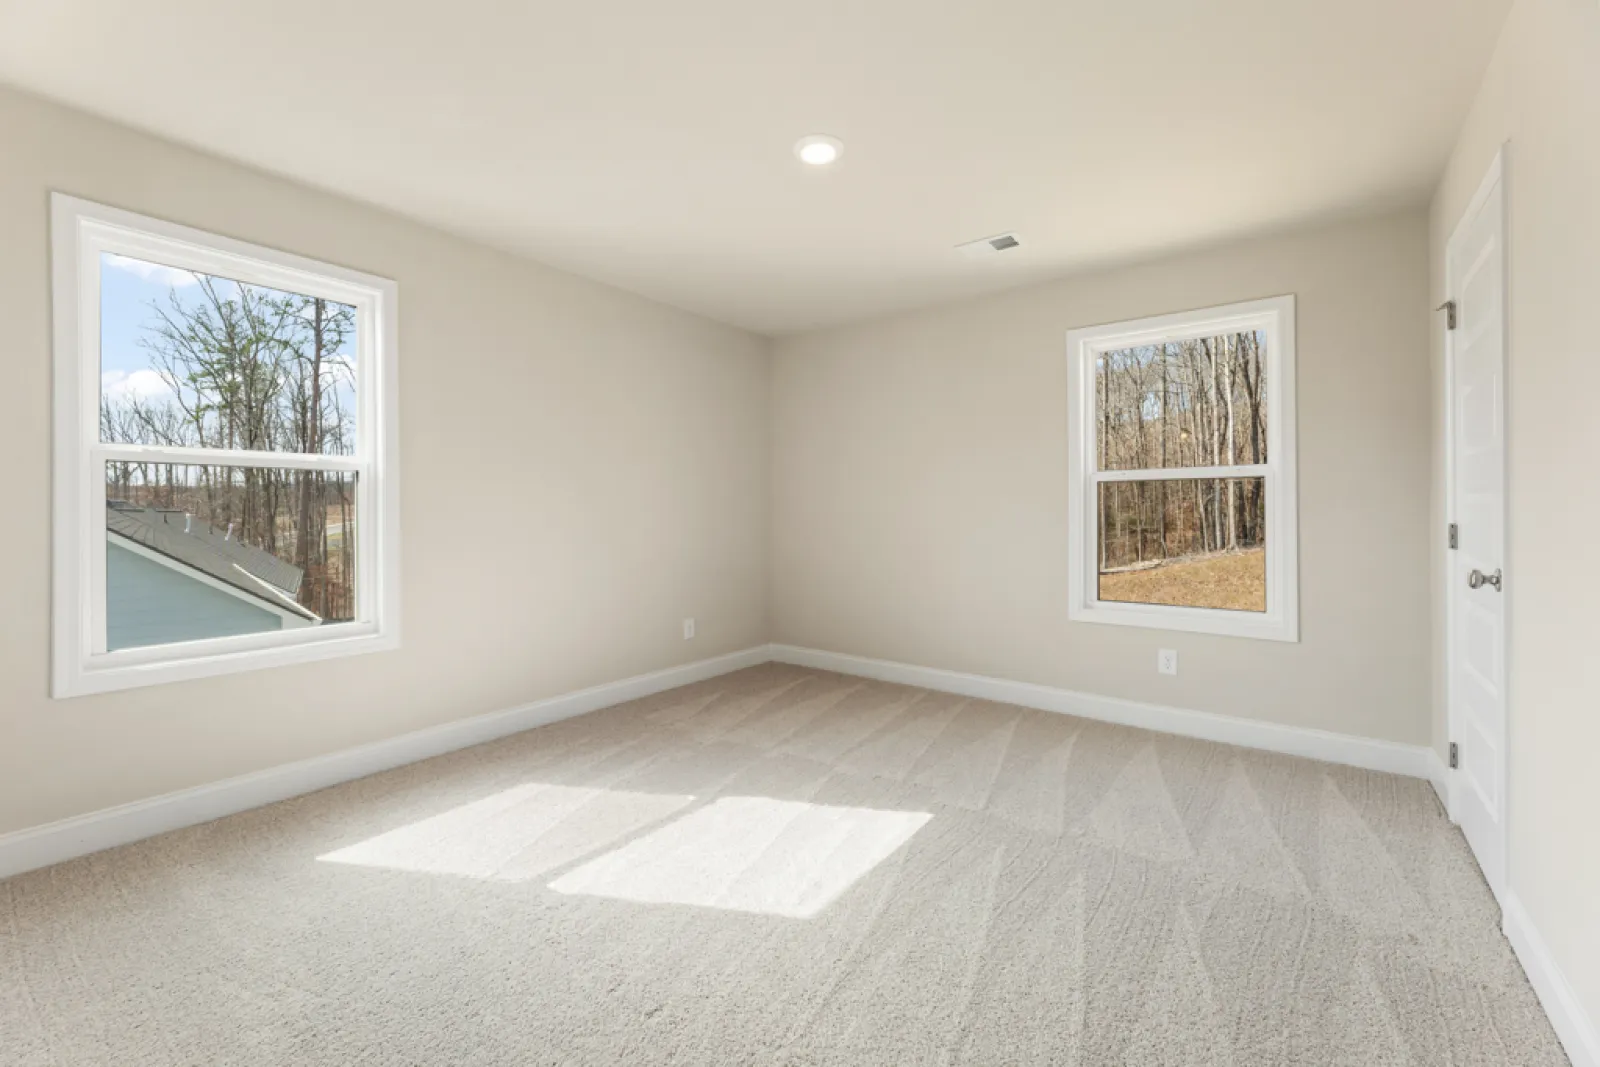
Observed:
{"x":1476,"y":599}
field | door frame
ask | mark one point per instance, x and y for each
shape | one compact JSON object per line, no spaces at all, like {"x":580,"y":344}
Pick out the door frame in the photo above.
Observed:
{"x":1495,"y":175}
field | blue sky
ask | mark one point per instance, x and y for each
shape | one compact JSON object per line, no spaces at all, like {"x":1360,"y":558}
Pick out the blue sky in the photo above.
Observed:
{"x":128,"y":289}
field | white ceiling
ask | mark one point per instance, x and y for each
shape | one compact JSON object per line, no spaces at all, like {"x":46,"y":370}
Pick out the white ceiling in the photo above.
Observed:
{"x":648,"y":143}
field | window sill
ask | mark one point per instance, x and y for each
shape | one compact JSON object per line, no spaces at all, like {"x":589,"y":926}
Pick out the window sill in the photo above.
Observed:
{"x":134,"y":668}
{"x":1260,"y":626}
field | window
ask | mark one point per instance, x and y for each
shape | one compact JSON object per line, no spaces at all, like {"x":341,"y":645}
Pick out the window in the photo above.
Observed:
{"x":225,"y":455}
{"x":1182,"y":473}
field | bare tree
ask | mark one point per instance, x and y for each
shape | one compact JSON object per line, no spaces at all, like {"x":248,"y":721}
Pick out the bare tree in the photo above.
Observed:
{"x":1181,"y":404}
{"x":247,"y":367}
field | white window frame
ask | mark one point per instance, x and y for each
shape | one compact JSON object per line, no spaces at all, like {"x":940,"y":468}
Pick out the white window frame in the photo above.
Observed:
{"x":1281,"y":620}
{"x":80,"y":232}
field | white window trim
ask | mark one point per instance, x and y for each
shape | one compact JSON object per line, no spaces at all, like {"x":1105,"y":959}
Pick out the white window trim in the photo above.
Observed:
{"x":1281,"y":620}
{"x":80,"y":232}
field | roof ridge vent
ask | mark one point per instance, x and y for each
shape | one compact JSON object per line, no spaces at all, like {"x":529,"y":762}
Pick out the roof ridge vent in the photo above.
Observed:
{"x":985,"y":247}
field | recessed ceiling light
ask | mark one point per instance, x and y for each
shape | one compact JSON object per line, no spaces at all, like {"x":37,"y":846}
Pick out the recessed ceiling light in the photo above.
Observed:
{"x":818,"y":149}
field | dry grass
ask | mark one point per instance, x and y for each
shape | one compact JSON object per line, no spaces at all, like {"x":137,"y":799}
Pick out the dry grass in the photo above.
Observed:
{"x":1237,"y":581}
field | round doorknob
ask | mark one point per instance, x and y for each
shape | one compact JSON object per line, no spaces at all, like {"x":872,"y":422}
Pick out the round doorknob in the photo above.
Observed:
{"x":1477,"y":579}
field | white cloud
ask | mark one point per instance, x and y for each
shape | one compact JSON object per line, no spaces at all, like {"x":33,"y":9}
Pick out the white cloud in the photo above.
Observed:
{"x":143,"y":384}
{"x":153,"y":272}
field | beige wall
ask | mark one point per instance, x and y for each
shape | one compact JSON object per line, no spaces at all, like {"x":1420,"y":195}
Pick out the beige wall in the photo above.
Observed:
{"x":920,"y":504}
{"x":1542,"y":95}
{"x":580,"y":469}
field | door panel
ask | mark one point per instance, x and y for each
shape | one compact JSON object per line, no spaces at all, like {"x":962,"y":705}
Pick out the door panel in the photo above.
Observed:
{"x":1477,"y":616}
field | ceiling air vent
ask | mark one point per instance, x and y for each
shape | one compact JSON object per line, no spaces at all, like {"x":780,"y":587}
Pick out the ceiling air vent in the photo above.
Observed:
{"x":990,"y":246}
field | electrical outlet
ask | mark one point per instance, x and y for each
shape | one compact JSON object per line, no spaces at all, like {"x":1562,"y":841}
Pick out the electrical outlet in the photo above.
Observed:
{"x":688,"y":629}
{"x":1167,"y":661}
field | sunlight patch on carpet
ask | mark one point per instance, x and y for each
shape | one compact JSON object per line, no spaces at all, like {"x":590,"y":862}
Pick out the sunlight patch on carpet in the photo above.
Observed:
{"x":749,"y":854}
{"x":515,"y":835}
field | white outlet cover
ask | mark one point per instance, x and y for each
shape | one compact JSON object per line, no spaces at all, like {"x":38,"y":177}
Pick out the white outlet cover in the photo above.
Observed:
{"x":688,"y":629}
{"x":1167,"y":661}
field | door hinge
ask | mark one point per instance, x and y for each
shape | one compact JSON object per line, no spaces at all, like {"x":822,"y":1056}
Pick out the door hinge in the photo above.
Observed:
{"x":1455,"y":756}
{"x":1455,"y":536}
{"x":1449,"y":309}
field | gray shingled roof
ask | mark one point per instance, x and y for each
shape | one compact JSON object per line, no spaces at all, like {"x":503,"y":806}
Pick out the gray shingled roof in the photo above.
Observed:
{"x":196,"y":544}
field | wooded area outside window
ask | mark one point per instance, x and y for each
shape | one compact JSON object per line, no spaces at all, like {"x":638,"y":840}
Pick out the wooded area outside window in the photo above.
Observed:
{"x":1182,"y":472}
{"x":226,"y":456}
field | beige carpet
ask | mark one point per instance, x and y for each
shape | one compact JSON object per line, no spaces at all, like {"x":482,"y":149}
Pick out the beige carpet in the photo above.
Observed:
{"x":787,"y":867}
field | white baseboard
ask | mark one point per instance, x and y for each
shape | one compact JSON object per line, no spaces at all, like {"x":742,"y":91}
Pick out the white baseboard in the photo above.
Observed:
{"x":1572,"y":1024}
{"x":1415,"y":761}
{"x":41,"y":846}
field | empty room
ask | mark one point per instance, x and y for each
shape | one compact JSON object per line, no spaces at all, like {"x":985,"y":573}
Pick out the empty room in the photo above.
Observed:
{"x":728,"y":533}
